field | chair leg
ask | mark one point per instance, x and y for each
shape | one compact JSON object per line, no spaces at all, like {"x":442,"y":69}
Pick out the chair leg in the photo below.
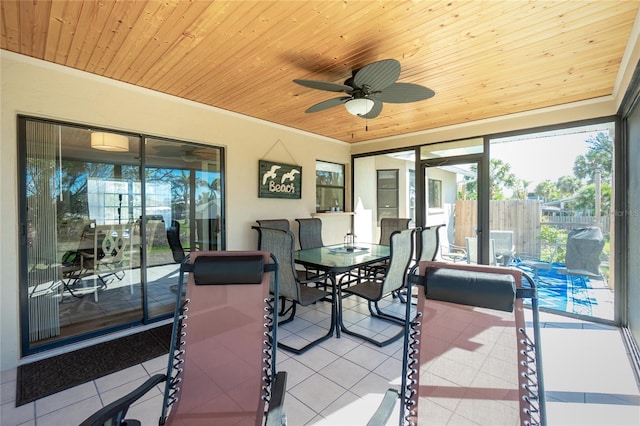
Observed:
{"x":283,"y":311}
{"x":333,"y":326}
{"x":382,"y":315}
{"x":379,"y":343}
{"x":309,"y":345}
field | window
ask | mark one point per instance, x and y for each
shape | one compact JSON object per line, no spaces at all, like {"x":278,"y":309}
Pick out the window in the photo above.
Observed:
{"x":387,"y":193}
{"x":329,"y":186}
{"x":435,"y":194}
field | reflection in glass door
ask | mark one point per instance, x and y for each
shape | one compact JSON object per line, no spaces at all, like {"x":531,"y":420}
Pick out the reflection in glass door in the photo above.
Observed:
{"x":101,"y":245}
{"x":183,"y":208}
{"x":80,"y":266}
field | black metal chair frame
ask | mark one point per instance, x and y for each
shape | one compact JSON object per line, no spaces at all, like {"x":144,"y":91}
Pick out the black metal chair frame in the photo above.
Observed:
{"x":292,"y":288}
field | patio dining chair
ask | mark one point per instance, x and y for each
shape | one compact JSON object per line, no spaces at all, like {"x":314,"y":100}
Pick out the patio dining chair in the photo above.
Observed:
{"x":173,"y":238}
{"x":310,"y":236}
{"x":105,"y":260}
{"x":472,"y":251}
{"x":469,"y":353}
{"x":282,"y":224}
{"x":222,"y":364}
{"x":429,"y":237}
{"x":377,"y":287}
{"x":505,"y":248}
{"x":388,"y":225}
{"x":293,"y":289}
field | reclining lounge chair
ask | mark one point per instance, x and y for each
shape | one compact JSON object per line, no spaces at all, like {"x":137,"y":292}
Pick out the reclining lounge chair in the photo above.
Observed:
{"x":222,"y":366}
{"x":470,"y":358}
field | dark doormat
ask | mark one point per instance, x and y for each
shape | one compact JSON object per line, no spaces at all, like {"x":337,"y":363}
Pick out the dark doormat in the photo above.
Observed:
{"x":46,"y":377}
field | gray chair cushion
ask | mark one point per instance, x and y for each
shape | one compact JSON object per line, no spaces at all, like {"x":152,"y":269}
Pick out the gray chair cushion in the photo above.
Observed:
{"x":482,"y":289}
{"x":228,"y":270}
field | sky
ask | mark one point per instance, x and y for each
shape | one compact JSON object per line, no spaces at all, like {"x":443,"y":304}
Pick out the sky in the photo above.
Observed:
{"x":542,"y":158}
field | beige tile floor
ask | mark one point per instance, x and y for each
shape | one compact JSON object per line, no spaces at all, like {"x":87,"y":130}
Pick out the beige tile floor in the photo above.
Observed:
{"x":589,"y":378}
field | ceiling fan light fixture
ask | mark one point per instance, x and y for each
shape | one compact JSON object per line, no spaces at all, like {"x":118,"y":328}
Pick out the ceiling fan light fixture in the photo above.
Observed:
{"x":109,"y":142}
{"x":359,"y":106}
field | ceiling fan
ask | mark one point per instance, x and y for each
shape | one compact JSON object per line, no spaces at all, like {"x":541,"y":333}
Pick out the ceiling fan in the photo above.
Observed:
{"x":368,"y":88}
{"x":186,"y":153}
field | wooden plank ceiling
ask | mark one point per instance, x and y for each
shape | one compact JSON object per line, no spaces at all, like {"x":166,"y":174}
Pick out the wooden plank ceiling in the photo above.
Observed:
{"x":482,"y":58}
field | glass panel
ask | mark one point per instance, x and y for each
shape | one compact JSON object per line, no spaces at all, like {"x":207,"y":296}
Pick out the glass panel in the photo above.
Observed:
{"x":387,"y":194}
{"x":329,"y":174}
{"x":329,"y":186}
{"x":183,"y":196}
{"x":329,"y":198}
{"x":95,"y":260}
{"x":452,"y":200}
{"x":82,"y":194}
{"x":551,"y":214}
{"x":452,"y":149}
{"x":435,"y":193}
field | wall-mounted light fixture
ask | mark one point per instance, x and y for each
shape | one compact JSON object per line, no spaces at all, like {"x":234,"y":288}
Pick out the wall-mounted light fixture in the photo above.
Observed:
{"x":359,"y":106}
{"x":109,"y":142}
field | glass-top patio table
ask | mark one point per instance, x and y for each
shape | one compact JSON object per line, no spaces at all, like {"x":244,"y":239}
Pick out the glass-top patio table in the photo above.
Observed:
{"x":337,"y":259}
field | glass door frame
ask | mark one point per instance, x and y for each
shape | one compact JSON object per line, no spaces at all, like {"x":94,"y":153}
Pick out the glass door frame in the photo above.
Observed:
{"x":482,"y":162}
{"x":145,"y":317}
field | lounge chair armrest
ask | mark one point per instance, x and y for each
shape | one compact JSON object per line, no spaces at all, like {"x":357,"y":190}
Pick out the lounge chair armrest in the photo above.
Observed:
{"x":275,"y":415}
{"x":383,"y":413}
{"x":108,"y":412}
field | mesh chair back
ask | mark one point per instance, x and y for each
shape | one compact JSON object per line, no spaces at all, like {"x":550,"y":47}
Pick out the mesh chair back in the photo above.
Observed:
{"x":504,"y":241}
{"x":224,"y":374}
{"x":389,"y":225}
{"x":471,"y":332}
{"x":429,"y":242}
{"x":282,"y":245}
{"x":282,"y":224}
{"x":310,"y":233}
{"x":472,"y":250}
{"x":401,"y":254}
{"x":173,"y":238}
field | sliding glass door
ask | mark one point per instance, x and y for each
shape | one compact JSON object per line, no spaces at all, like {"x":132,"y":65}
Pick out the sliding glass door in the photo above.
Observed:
{"x":451,"y":177}
{"x":96,"y":210}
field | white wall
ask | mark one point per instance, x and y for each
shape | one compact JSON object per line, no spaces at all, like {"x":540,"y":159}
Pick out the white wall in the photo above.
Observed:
{"x":40,"y":89}
{"x":365,"y":191}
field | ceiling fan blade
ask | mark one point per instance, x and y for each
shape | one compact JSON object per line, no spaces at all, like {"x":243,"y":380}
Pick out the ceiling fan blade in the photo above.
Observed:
{"x":399,"y":93}
{"x":378,"y":75}
{"x":375,"y":111}
{"x":324,"y":85}
{"x":329,"y":103}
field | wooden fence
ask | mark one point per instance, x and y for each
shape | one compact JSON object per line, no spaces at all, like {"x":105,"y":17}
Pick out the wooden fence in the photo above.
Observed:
{"x":523,"y":217}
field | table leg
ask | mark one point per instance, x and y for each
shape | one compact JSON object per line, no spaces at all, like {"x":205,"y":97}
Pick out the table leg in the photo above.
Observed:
{"x":334,"y":304}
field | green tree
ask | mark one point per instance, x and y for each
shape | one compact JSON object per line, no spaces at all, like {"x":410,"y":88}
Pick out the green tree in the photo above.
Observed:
{"x":598,"y":157}
{"x":547,"y":190}
{"x":585,"y":199}
{"x":567,"y":186}
{"x":500,"y":178}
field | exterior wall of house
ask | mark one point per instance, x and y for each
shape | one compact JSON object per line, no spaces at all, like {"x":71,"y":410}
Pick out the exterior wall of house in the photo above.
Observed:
{"x":41,"y":89}
{"x":366,"y":219}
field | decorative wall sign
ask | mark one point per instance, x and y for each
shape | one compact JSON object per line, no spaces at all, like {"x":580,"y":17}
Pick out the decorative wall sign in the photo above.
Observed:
{"x":279,"y":180}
